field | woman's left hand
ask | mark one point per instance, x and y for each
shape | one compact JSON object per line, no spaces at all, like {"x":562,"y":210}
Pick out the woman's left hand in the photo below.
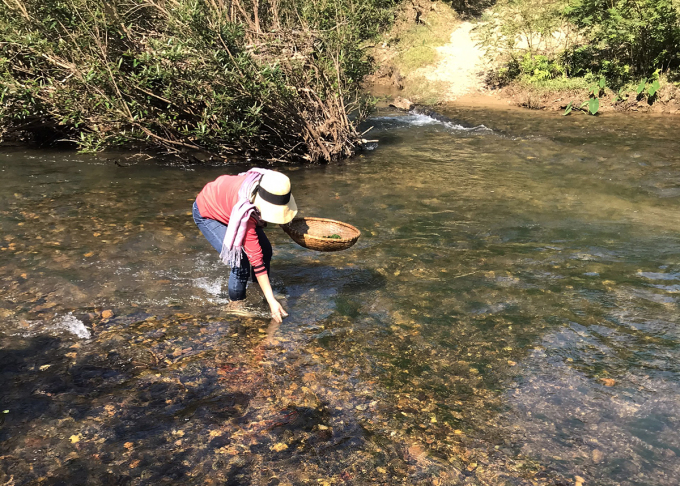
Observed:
{"x":278,"y":312}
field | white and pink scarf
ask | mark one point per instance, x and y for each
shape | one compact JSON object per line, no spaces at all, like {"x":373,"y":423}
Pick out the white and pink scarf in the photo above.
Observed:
{"x":232,"y":246}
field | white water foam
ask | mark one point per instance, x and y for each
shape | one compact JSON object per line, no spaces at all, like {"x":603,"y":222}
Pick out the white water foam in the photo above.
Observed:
{"x":72,"y":324}
{"x":420,"y":120}
{"x":659,"y":275}
{"x":213,"y":287}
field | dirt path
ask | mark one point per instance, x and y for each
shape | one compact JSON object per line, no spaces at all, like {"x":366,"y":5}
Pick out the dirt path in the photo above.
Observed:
{"x":461,"y":61}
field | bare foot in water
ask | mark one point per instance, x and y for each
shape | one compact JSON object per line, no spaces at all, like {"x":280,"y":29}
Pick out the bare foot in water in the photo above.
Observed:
{"x":239,"y":308}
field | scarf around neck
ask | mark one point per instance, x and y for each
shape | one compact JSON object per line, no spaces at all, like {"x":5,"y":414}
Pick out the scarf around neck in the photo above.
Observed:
{"x":232,"y":245}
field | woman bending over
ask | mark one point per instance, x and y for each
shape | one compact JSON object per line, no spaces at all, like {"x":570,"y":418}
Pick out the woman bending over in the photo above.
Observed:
{"x":231,"y":212}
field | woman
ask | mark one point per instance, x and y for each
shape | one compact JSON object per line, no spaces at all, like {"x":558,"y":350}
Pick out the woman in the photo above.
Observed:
{"x":230,"y":212}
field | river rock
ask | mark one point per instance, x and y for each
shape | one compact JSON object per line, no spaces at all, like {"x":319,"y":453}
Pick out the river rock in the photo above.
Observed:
{"x":401,"y":103}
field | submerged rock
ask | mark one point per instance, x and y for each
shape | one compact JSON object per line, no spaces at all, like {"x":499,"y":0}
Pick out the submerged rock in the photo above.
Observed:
{"x":401,"y":103}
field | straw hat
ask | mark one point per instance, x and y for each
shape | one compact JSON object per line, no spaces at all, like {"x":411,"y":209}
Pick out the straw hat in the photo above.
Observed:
{"x":274,"y":200}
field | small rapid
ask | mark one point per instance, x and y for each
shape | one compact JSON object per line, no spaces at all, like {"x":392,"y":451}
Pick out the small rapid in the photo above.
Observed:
{"x":422,"y":117}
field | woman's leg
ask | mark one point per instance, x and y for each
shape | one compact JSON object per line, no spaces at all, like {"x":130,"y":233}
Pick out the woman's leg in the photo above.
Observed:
{"x":214,"y":232}
{"x":238,"y":279}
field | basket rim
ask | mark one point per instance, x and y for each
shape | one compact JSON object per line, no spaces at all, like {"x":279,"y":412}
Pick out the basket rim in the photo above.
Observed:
{"x":327,"y":240}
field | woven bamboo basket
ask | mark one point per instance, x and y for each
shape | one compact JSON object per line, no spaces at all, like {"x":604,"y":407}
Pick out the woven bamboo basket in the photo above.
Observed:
{"x":313,"y":233}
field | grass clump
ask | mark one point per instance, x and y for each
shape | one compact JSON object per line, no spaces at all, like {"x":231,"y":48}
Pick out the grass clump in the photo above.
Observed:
{"x":416,"y":58}
{"x":417,"y":42}
{"x":556,"y":84}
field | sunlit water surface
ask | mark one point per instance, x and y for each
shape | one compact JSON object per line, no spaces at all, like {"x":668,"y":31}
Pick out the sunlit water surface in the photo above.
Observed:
{"x":509,"y":315}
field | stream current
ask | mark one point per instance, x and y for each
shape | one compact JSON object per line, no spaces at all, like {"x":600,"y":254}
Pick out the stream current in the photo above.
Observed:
{"x":509,"y":315}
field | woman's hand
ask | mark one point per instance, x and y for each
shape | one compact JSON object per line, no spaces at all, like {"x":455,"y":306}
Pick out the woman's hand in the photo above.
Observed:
{"x":278,"y":312}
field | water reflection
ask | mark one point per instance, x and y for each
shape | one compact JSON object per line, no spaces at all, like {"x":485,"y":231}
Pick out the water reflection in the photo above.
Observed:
{"x":509,"y":315}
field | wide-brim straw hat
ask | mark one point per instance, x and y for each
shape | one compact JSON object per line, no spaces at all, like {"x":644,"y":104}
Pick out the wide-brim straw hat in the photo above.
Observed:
{"x":274,"y":200}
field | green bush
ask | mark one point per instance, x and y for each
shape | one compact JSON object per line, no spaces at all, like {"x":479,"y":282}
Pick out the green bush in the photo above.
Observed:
{"x":263,"y":79}
{"x":558,"y":84}
{"x":540,"y":68}
{"x":625,"y":37}
{"x":622,"y":40}
{"x":519,"y":35}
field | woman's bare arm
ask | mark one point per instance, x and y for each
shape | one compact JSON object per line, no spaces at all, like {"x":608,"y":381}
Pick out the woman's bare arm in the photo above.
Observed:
{"x":278,"y":313}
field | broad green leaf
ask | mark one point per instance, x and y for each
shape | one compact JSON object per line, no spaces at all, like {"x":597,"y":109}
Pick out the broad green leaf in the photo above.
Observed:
{"x":583,"y":104}
{"x":568,"y":109}
{"x":641,"y":86}
{"x":653,"y":88}
{"x":601,"y":83}
{"x":594,"y":105}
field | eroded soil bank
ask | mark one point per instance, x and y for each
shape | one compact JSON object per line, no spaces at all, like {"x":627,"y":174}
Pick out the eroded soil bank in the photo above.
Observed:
{"x":442,"y":63}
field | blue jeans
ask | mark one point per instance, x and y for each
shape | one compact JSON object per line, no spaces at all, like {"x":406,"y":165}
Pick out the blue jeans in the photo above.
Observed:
{"x":214,"y":232}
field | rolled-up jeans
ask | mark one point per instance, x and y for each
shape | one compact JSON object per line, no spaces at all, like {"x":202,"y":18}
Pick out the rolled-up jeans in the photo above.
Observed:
{"x":214,"y":232}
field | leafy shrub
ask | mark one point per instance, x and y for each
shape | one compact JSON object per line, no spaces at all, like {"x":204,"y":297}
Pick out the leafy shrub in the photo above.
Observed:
{"x":626,"y":37}
{"x":621,"y":40}
{"x":526,"y":38}
{"x":540,"y":68}
{"x":261,"y":79}
{"x":518,"y":27}
{"x":558,"y":84}
{"x":470,"y":8}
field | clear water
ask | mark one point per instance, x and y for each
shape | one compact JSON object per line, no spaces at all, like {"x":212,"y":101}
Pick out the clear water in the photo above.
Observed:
{"x":509,"y":315}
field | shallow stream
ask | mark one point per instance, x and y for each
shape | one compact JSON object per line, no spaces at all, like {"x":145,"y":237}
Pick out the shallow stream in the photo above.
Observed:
{"x":509,"y":315}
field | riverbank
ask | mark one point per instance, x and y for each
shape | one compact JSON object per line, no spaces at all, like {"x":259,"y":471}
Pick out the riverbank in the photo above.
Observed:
{"x":538,"y":98}
{"x":460,"y":72}
{"x":522,"y":97}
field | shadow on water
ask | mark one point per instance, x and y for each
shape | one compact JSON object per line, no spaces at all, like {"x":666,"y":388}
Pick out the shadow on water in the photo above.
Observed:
{"x":106,"y":417}
{"x":43,"y":390}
